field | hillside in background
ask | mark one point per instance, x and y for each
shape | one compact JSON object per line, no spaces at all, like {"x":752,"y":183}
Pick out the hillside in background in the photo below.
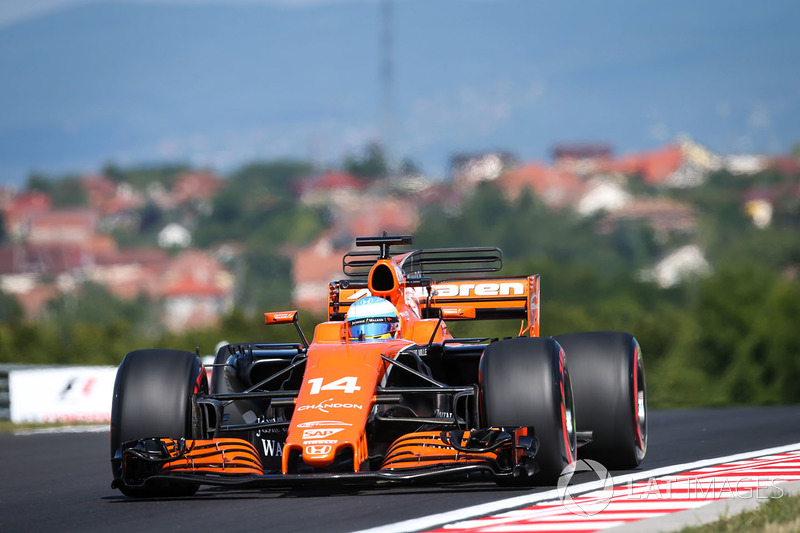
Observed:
{"x":695,"y":254}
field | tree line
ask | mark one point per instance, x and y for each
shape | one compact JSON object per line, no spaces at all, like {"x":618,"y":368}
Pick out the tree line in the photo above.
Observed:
{"x":727,"y":338}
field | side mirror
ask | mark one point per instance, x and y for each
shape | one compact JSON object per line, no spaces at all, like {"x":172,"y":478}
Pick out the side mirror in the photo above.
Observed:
{"x":286,"y":317}
{"x":280,"y":317}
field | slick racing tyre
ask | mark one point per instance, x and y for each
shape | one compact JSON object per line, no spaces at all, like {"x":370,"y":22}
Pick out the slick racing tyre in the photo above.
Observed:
{"x":153,"y":398}
{"x":610,"y":397}
{"x":524,"y":382}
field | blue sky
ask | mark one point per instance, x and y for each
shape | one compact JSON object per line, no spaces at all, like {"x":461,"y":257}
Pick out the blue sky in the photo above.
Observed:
{"x":220,"y":83}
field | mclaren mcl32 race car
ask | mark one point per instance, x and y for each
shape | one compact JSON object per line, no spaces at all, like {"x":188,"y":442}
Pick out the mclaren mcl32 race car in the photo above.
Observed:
{"x":384,"y":393}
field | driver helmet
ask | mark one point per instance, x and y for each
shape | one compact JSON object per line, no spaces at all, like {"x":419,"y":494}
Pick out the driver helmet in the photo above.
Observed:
{"x":372,"y":319}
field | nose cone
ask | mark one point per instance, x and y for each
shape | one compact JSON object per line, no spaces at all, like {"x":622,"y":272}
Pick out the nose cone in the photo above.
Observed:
{"x":328,"y":429}
{"x":324,"y":441}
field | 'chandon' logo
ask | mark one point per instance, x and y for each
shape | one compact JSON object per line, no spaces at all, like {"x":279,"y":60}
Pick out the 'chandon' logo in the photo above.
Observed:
{"x":329,"y":404}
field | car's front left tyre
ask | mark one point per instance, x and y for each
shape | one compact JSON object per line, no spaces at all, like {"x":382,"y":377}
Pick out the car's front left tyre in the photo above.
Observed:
{"x":525,"y":383}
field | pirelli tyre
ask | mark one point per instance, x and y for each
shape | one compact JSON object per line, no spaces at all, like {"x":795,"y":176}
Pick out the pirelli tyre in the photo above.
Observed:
{"x":153,"y":398}
{"x":608,"y":381}
{"x":525,"y":383}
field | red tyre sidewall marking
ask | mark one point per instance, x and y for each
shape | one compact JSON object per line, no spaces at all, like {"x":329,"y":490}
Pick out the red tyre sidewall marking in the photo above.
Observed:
{"x":569,"y":455}
{"x":639,"y":436}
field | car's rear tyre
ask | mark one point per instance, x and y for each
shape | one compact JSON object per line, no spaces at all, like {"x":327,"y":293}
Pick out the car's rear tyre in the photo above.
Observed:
{"x":524,"y":382}
{"x":608,"y":381}
{"x":153,"y":398}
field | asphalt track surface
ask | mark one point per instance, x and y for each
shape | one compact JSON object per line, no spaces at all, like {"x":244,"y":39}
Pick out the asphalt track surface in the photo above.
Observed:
{"x":61,"y":482}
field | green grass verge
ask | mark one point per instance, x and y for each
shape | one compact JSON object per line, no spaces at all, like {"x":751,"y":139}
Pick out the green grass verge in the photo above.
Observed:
{"x":778,"y":515}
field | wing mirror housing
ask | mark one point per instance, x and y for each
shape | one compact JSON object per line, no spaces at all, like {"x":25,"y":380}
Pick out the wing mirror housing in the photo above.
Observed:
{"x":286,"y":317}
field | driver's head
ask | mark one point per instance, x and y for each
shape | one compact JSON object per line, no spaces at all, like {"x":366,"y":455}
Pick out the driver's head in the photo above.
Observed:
{"x":372,"y":319}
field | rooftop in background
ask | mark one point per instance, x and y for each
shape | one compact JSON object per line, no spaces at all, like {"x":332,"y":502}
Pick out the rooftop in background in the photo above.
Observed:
{"x":582,"y":151}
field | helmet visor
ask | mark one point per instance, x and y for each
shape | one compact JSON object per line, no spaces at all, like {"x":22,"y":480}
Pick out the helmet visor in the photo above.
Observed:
{"x":372,"y":329}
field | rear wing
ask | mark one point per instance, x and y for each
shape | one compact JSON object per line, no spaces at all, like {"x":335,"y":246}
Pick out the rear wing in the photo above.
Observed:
{"x":455,"y":299}
{"x":408,"y":278}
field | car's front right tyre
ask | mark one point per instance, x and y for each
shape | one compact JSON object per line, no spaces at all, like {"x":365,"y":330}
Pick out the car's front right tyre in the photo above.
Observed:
{"x":153,"y":398}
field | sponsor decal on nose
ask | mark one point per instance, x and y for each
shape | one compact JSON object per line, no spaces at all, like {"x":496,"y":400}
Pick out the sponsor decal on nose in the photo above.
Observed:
{"x":317,"y":449}
{"x":318,"y":423}
{"x":310,"y":434}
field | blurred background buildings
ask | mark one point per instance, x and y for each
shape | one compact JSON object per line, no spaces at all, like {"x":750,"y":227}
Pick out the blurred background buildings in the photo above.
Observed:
{"x":171,"y":169}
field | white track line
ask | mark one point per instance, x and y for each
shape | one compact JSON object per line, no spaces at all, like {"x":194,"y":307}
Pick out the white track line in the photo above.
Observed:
{"x":440,"y":519}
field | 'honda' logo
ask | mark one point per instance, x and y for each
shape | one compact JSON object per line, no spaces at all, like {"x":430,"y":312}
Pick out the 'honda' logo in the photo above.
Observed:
{"x":318,"y":450}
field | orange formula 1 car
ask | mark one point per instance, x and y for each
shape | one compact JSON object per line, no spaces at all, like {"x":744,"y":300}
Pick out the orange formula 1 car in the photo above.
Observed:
{"x":384,"y":393}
